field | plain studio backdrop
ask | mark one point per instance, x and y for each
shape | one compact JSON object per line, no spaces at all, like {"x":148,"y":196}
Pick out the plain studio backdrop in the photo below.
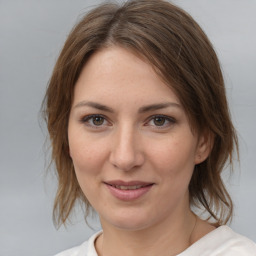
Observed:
{"x":32,"y":33}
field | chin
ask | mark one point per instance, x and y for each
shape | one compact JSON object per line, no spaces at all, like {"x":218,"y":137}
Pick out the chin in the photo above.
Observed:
{"x":129,"y":222}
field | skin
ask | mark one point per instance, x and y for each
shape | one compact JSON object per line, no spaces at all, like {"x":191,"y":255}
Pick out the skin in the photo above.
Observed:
{"x":128,"y":139}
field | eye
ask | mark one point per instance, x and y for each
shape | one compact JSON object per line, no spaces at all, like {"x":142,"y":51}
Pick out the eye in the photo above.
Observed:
{"x":95,"y":121}
{"x":160,"y":121}
{"x":98,"y":120}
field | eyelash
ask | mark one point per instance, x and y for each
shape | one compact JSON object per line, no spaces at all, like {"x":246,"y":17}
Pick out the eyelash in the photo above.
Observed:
{"x":88,"y":119}
{"x":168,"y":119}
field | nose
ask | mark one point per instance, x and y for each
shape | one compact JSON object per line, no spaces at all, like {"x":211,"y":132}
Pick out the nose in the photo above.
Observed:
{"x":126,"y":151}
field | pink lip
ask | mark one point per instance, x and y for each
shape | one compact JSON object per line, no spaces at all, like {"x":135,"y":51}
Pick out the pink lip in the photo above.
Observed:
{"x":128,"y":195}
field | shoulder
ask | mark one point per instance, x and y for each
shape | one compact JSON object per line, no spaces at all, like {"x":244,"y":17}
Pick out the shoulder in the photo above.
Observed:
{"x":222,"y":241}
{"x":72,"y":251}
{"x":85,"y":249}
{"x":233,"y":243}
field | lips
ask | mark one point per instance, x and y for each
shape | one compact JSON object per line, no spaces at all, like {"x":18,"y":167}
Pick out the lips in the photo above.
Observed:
{"x":128,"y":187}
{"x":128,"y":191}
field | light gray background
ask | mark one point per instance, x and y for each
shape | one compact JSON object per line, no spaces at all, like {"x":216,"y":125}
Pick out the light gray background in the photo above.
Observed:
{"x":31,"y":36}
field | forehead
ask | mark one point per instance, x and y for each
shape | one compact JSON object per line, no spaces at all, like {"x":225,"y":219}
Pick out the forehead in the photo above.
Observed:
{"x":118,"y":74}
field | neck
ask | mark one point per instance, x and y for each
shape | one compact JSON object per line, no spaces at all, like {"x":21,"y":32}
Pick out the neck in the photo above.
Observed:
{"x":168,"y":238}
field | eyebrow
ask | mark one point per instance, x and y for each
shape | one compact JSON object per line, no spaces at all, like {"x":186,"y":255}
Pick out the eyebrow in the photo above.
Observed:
{"x":94,"y":105}
{"x":158,"y":106}
{"x":143,"y":109}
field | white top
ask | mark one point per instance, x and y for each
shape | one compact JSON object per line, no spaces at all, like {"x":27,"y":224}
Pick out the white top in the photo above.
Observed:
{"x":222,"y":241}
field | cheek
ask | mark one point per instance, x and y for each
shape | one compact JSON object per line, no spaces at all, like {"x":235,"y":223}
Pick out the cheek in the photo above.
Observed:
{"x":174,"y":152}
{"x":174,"y":159}
{"x":87,"y":155}
{"x":87,"y":160}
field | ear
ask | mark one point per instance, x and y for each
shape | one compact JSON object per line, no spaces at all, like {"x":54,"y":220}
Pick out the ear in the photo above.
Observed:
{"x":204,"y":147}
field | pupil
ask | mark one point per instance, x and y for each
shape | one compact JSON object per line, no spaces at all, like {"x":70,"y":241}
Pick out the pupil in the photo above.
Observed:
{"x":159,"y":121}
{"x":97,"y":120}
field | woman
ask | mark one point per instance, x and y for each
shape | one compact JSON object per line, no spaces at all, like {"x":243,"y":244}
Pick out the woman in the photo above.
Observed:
{"x":140,"y":131}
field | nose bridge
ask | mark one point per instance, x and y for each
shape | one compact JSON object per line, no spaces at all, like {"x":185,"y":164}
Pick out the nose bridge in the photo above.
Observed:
{"x":126,"y":152}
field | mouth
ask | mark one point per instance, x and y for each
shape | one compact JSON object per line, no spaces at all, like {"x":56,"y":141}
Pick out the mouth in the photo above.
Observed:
{"x":128,"y":185}
{"x":128,"y":191}
{"x":122,"y":187}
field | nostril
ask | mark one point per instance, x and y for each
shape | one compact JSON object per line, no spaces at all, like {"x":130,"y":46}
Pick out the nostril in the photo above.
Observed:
{"x":127,"y":162}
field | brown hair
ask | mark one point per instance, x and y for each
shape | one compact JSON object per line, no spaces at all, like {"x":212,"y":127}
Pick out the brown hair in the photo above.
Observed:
{"x":180,"y":52}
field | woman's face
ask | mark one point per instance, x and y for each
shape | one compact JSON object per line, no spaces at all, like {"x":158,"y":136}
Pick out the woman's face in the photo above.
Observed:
{"x":131,"y":142}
